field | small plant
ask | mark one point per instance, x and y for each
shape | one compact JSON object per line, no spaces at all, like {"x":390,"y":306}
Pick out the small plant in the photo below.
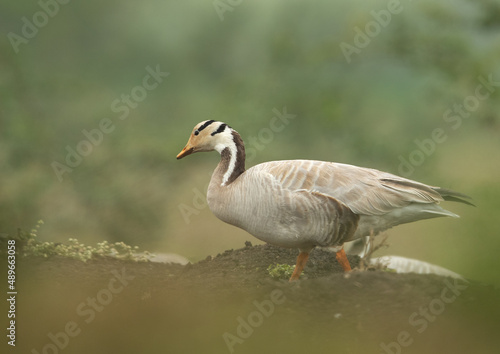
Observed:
{"x":77,"y":250}
{"x":370,"y":247}
{"x":281,"y":271}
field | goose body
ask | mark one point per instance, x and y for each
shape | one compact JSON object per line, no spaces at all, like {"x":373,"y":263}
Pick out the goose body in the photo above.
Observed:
{"x":304,"y":203}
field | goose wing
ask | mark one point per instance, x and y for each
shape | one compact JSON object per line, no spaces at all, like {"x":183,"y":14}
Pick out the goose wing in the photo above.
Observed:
{"x":365,"y":191}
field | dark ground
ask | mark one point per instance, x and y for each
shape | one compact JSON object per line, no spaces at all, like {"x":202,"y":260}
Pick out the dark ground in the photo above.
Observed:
{"x":200,"y":308}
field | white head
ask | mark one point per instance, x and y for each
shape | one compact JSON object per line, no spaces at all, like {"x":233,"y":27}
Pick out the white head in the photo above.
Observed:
{"x":208,"y":135}
{"x":211,"y":135}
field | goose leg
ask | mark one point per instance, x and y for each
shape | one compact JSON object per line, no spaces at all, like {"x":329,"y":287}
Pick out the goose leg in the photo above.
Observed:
{"x":343,"y":261}
{"x":299,"y":266}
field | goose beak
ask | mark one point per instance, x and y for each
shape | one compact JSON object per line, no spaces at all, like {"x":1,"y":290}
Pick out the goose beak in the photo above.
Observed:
{"x":188,"y":150}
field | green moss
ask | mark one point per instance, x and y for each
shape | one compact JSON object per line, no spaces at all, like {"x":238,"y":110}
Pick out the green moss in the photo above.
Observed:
{"x":280,"y":271}
{"x":77,"y":250}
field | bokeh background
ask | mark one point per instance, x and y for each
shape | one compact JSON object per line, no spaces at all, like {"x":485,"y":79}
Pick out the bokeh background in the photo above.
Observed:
{"x":239,"y":63}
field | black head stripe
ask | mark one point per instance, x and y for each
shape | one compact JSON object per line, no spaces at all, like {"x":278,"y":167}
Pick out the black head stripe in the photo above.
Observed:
{"x":206,"y":124}
{"x":221,"y":128}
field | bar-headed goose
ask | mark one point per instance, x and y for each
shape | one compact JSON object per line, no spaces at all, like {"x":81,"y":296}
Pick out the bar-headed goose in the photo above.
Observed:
{"x":302,"y":203}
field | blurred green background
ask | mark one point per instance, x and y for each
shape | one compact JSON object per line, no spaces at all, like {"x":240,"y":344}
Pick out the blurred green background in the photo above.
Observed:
{"x":238,"y":66}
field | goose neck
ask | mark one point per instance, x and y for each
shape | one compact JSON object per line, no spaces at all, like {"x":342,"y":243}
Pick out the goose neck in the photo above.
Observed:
{"x":232,"y":163}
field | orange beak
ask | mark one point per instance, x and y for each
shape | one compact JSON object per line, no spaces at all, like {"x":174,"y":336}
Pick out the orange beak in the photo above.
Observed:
{"x":188,"y":150}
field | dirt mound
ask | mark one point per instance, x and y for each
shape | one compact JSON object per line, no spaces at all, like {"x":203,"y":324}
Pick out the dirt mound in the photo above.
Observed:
{"x":229,"y":303}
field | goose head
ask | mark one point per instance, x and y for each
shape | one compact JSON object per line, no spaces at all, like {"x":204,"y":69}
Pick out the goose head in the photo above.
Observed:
{"x":208,"y":135}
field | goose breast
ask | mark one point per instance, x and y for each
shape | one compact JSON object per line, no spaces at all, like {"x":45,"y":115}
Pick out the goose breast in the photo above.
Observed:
{"x":278,"y":203}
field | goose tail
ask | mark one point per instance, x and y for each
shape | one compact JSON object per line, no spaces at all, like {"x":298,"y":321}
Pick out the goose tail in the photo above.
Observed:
{"x":453,"y":196}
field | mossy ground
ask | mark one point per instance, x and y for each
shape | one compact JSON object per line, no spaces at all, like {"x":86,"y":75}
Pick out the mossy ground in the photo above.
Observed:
{"x":153,"y":308}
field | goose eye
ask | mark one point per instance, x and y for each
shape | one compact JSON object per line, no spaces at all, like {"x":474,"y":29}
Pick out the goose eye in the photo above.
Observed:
{"x":196,"y":132}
